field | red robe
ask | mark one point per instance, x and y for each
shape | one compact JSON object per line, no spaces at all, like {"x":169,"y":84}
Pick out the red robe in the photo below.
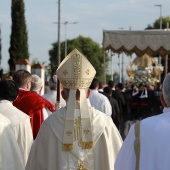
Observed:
{"x":32,"y":104}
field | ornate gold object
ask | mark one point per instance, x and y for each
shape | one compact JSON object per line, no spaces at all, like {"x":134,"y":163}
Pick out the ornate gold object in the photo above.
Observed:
{"x":144,"y":70}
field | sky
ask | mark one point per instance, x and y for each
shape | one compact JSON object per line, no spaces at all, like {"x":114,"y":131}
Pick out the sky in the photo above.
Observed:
{"x":93,"y":16}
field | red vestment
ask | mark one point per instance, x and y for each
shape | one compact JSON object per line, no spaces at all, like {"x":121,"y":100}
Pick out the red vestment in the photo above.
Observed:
{"x":32,"y":104}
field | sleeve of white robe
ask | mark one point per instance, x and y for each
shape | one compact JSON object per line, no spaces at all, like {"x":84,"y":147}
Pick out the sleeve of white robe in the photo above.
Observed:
{"x":23,"y":134}
{"x":107,"y":147}
{"x":10,"y":156}
{"x":126,"y":159}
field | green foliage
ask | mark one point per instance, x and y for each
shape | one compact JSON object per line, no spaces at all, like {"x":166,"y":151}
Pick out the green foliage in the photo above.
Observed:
{"x":87,"y":47}
{"x":19,"y":38}
{"x":156,"y":24}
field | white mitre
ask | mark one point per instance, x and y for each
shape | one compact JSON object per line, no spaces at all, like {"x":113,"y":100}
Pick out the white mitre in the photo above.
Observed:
{"x":76,"y":72}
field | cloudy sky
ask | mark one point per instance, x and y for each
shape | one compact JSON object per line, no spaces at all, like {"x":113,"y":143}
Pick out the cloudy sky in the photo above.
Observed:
{"x":93,"y":16}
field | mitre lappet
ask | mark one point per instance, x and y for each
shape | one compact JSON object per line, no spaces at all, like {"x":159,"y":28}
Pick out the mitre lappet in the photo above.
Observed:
{"x":76,"y":73}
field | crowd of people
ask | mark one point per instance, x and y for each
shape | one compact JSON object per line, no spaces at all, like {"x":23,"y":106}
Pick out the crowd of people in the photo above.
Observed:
{"x":98,"y":127}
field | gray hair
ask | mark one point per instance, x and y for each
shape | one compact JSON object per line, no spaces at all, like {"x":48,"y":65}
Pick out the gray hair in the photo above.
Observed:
{"x":166,"y":89}
{"x":36,"y":83}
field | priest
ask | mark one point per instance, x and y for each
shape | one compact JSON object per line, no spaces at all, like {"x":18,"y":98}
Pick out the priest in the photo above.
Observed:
{"x":76,"y":136}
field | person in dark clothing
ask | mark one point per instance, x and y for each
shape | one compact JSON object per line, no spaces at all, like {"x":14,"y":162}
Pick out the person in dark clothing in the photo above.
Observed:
{"x":146,"y":102}
{"x":115,"y":108}
{"x":135,"y":104}
{"x":158,"y":107}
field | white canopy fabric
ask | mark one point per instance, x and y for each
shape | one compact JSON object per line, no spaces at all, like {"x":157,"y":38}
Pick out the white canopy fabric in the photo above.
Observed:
{"x":152,"y":42}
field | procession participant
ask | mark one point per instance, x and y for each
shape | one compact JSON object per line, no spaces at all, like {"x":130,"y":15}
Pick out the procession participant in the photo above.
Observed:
{"x":52,"y":94}
{"x":29,"y":102}
{"x":19,"y":120}
{"x":135,"y":104}
{"x":147,"y":143}
{"x":118,"y":96}
{"x":146,"y":103}
{"x":75,"y":136}
{"x":98,"y":100}
{"x":36,"y":87}
{"x":115,"y":108}
{"x":10,"y":154}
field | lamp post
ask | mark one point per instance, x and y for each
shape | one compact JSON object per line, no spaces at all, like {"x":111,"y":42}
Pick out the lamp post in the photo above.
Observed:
{"x":160,"y":5}
{"x":65,"y":23}
{"x":121,"y":64}
{"x":59,"y":46}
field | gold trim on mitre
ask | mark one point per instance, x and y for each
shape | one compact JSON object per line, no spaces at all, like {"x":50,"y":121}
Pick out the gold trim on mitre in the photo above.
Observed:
{"x":75,"y":71}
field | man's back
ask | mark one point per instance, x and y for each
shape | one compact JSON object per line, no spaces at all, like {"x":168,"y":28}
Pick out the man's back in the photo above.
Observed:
{"x":21,"y":125}
{"x":106,"y":140}
{"x":10,"y":155}
{"x":100,"y":102}
{"x":32,"y":104}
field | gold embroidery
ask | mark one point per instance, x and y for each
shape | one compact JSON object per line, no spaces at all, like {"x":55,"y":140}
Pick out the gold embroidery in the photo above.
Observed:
{"x":88,"y":72}
{"x":87,"y":145}
{"x":77,"y":130}
{"x":76,"y":83}
{"x":78,"y":137}
{"x":137,"y":144}
{"x":65,"y":72}
{"x":67,"y":147}
{"x":69,"y":133}
{"x":86,"y":131}
{"x":81,"y":165}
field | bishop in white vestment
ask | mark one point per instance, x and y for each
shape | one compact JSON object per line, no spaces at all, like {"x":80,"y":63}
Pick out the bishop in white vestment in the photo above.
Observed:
{"x":76,"y":137}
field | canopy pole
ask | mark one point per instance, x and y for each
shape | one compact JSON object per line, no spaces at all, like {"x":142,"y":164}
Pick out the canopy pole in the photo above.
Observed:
{"x":166,"y":65}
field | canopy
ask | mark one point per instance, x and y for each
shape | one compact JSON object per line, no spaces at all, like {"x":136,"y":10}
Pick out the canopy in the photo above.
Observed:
{"x":152,"y":42}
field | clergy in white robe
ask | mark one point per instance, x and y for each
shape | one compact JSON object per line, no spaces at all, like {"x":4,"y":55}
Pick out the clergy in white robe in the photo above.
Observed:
{"x":76,"y":136}
{"x":10,"y":156}
{"x":47,"y":153}
{"x":98,"y":100}
{"x":20,"y":122}
{"x":52,"y":94}
{"x":147,"y":147}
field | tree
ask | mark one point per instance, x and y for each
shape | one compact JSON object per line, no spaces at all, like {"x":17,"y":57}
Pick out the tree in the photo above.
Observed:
{"x":19,"y":38}
{"x":156,"y":24}
{"x":87,"y":47}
